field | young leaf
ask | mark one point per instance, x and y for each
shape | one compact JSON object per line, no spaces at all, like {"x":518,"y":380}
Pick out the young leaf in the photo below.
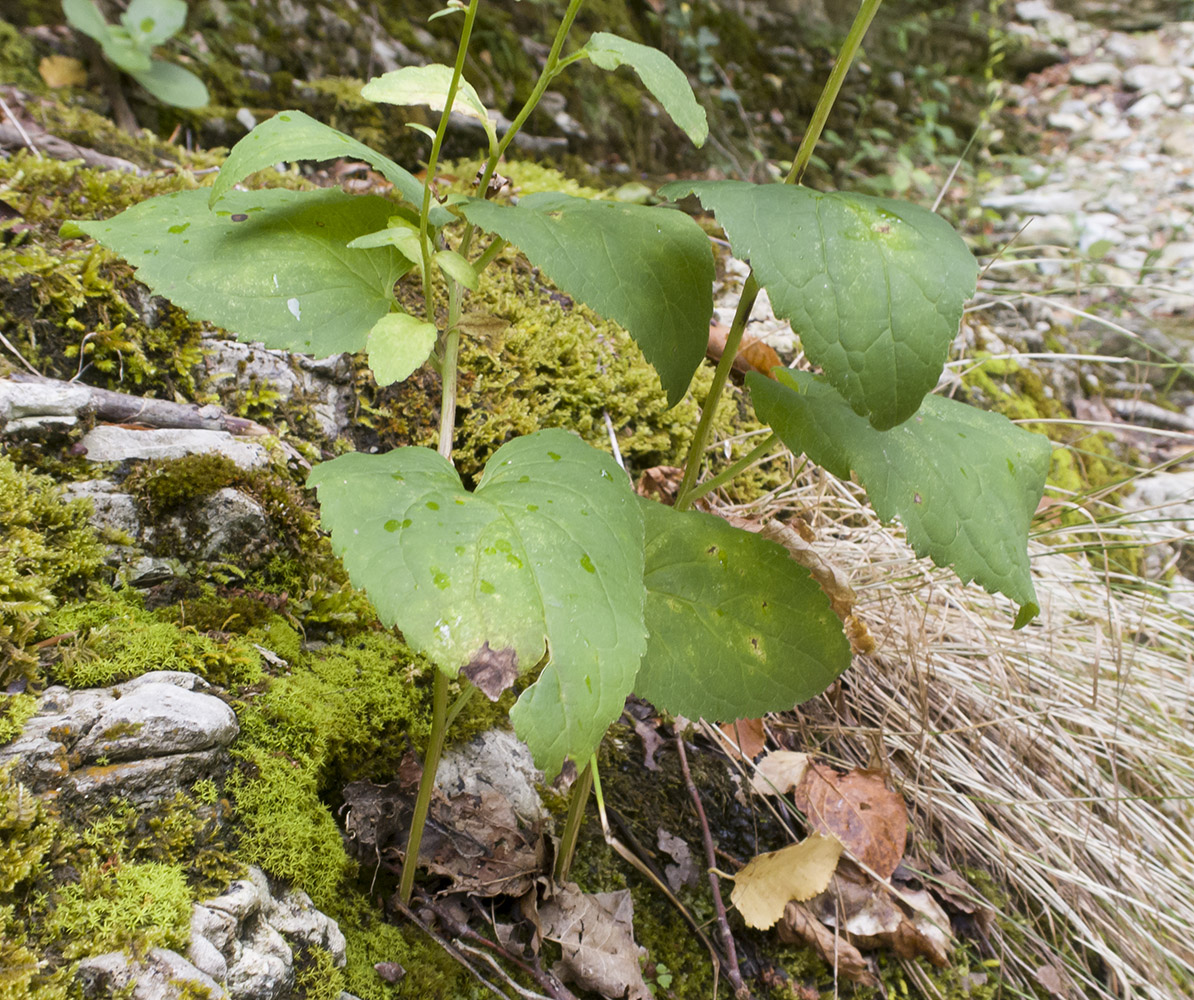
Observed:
{"x":649,"y":269}
{"x":269,"y":265}
{"x":292,"y":135}
{"x":456,"y":267}
{"x":545,"y":556}
{"x":874,"y":287}
{"x":122,"y":52}
{"x":402,"y":237}
{"x":151,"y":22}
{"x":428,"y":85}
{"x":736,"y":628}
{"x":398,"y":345}
{"x":84,"y":16}
{"x":662,"y":77}
{"x":173,"y":85}
{"x":964,"y":482}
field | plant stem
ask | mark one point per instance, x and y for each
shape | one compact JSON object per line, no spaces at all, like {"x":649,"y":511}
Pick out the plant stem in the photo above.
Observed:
{"x":696,"y":451}
{"x":435,"y":747}
{"x":833,"y":86}
{"x":740,"y":466}
{"x":576,"y":814}
{"x":470,"y":16}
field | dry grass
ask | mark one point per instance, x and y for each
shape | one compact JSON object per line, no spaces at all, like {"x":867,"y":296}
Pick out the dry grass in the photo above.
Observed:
{"x":1059,"y":759}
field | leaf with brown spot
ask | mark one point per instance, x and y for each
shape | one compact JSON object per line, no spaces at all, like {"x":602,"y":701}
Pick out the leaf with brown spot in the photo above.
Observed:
{"x":493,"y":671}
{"x":768,"y":882}
{"x":860,"y":810}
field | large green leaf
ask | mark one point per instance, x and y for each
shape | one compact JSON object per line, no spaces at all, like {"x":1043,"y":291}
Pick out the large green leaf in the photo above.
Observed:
{"x":964,"y":482}
{"x":546,"y":555}
{"x":268,"y":265}
{"x":662,"y":77}
{"x":293,"y":135}
{"x":736,"y":627}
{"x":151,"y":22}
{"x":649,"y":269}
{"x":874,"y":287}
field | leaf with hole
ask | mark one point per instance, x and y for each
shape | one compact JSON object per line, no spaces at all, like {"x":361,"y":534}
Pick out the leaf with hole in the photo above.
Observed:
{"x":874,"y":287}
{"x":268,"y":265}
{"x":544,"y":557}
{"x":662,"y":77}
{"x":649,"y":269}
{"x":964,"y":482}
{"x":291,"y":135}
{"x":736,"y":628}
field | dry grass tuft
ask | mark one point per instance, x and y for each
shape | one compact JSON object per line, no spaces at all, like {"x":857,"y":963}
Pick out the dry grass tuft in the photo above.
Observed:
{"x":1058,"y":759}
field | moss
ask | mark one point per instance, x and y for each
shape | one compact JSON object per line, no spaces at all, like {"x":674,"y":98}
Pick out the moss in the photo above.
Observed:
{"x":133,"y":906}
{"x":114,"y":639}
{"x":47,"y":553}
{"x":316,"y":976}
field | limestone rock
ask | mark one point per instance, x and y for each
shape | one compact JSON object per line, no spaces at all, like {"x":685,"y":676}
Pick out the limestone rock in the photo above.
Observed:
{"x":109,"y":443}
{"x":160,"y":975}
{"x":111,"y":508}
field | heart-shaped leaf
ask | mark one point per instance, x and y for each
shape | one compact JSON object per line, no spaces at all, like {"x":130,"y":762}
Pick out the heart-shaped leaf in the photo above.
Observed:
{"x":545,"y":556}
{"x":293,"y":135}
{"x":154,"y":21}
{"x":173,"y":85}
{"x":964,"y":482}
{"x":649,"y":269}
{"x":662,"y":77}
{"x":268,"y":265}
{"x":736,"y":628}
{"x":874,"y":287}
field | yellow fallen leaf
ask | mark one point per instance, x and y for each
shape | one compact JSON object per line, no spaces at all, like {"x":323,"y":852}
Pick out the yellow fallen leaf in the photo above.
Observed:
{"x":765,"y":884}
{"x":62,"y":71}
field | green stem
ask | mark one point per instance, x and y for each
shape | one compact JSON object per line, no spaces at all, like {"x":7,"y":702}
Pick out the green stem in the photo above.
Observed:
{"x":740,"y":466}
{"x":576,"y":815}
{"x":458,"y":705}
{"x":435,"y":747}
{"x":696,"y":451}
{"x":466,"y":32}
{"x":833,"y":86}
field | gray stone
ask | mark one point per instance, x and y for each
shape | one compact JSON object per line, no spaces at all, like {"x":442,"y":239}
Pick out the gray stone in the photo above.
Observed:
{"x":1149,"y":106}
{"x":155,"y":720}
{"x":206,"y":957}
{"x":233,"y":523}
{"x":1155,"y":79}
{"x":295,"y":916}
{"x":143,"y":781}
{"x":495,"y":760}
{"x":1179,"y":142}
{"x":264,"y":967}
{"x":111,"y":509}
{"x":160,"y":975}
{"x":1093,"y":74}
{"x":1036,"y":201}
{"x":109,"y":443}
{"x":179,"y":678}
{"x":218,"y":926}
{"x":243,"y":899}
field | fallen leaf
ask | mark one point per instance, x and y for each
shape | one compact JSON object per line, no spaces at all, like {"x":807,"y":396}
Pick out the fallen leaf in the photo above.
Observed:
{"x":595,"y":932}
{"x":661,"y":482}
{"x":1053,"y":980}
{"x":799,"y":926}
{"x":779,"y":772}
{"x":858,"y":809}
{"x":798,"y":872}
{"x":62,"y":71}
{"x":648,"y":732}
{"x":753,"y":354}
{"x":684,"y":871}
{"x":745,"y":737}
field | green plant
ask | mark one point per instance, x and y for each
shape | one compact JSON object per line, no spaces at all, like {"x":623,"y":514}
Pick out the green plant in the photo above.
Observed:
{"x":551,"y":566}
{"x":129,"y":46}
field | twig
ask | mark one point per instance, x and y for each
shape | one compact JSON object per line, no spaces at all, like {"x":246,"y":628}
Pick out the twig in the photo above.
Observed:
{"x":22,"y":133}
{"x":733,"y":974}
{"x":447,"y":946}
{"x":20,"y":357}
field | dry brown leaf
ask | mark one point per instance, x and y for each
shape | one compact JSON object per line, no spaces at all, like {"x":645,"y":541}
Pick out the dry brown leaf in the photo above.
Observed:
{"x":661,"y":482}
{"x":768,"y":882}
{"x":596,"y":934}
{"x":493,"y":671}
{"x":753,"y":354}
{"x":746,"y":738}
{"x":860,"y":810}
{"x":684,"y":871}
{"x":911,"y":924}
{"x":62,"y":71}
{"x":779,"y":772}
{"x":799,"y":926}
